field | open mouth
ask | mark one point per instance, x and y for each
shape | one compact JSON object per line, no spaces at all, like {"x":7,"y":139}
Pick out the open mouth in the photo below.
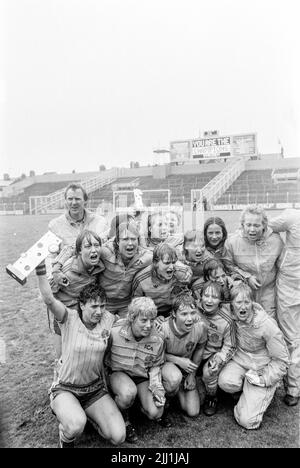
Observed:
{"x":94,"y":257}
{"x":199,"y":254}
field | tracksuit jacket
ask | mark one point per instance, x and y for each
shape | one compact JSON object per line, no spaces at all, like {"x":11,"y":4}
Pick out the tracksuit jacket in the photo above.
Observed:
{"x":288,"y":292}
{"x":116,"y":279}
{"x":258,"y":258}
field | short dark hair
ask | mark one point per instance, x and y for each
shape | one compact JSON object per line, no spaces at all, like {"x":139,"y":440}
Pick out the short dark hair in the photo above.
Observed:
{"x":211,"y":265}
{"x":85,"y":234}
{"x":91,"y":292}
{"x":164,"y":249}
{"x":185,"y":298}
{"x":76,"y":186}
{"x":214,"y":285}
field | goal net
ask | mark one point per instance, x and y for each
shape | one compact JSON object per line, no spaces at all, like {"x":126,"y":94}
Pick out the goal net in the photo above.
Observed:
{"x":143,"y":203}
{"x":125,"y":199}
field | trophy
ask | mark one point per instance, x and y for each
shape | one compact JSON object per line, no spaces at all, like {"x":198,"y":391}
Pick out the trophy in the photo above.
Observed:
{"x":48,"y":244}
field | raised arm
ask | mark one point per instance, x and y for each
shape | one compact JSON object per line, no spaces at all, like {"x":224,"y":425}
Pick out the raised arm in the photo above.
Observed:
{"x":56,"y":307}
{"x":283,"y":222}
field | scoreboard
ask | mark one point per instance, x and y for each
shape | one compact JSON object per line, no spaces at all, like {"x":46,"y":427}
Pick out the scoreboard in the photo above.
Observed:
{"x":213,"y":148}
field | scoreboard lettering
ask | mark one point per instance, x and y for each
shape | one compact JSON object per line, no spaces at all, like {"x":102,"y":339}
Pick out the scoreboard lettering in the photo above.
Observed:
{"x":211,"y":142}
{"x":211,"y":147}
{"x":215,"y":147}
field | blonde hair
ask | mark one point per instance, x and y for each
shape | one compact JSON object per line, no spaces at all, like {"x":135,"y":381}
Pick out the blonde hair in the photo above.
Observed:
{"x":256,"y":210}
{"x":141,"y":306}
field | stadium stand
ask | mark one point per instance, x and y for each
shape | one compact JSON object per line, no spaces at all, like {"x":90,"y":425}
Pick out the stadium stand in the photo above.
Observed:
{"x":180,"y":186}
{"x":35,"y":189}
{"x":269,"y":181}
{"x":257,"y":186}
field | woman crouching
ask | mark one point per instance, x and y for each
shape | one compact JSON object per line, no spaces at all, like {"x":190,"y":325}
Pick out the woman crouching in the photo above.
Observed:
{"x":79,"y":391}
{"x":134,"y":359}
{"x":260,"y":362}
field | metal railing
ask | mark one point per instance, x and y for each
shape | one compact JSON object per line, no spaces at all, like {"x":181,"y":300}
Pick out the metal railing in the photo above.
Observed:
{"x":55,"y":200}
{"x":216,"y":187}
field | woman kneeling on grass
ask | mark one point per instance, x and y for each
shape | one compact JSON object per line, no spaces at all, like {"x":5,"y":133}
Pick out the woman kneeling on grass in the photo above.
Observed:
{"x":185,"y":335}
{"x":220,"y":345}
{"x":135,"y":356}
{"x":79,"y":392}
{"x":260,"y":362}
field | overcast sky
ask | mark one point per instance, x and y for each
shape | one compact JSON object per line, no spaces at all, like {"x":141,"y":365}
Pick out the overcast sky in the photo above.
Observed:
{"x":90,"y":82}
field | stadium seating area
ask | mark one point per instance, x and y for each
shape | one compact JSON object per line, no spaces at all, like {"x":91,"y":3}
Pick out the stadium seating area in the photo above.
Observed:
{"x":38,"y":189}
{"x":257,"y":186}
{"x":252,"y":186}
{"x":180,"y":186}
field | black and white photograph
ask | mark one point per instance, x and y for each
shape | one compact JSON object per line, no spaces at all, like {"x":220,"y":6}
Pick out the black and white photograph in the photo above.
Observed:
{"x":150,"y":226}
